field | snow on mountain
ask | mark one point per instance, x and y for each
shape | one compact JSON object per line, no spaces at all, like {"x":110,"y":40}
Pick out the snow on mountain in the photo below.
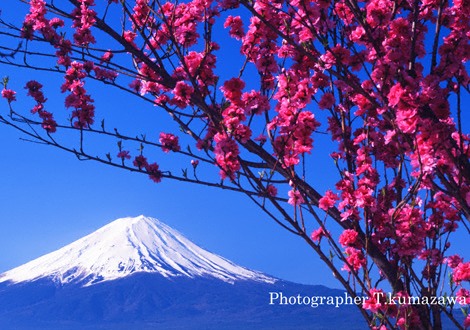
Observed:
{"x":126,"y":246}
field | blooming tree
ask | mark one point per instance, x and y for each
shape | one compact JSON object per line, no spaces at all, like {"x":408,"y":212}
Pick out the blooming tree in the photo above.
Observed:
{"x":386,"y":80}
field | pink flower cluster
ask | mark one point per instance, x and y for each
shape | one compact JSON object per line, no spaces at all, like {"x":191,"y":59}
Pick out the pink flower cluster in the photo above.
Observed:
{"x":328,"y":201}
{"x":232,"y":89}
{"x":107,"y":56}
{"x":234,"y":114}
{"x":141,"y":15}
{"x":318,"y":234}
{"x":182,"y":20}
{"x":169,"y":142}
{"x":255,"y":103}
{"x":295,"y":197}
{"x":78,"y":99}
{"x":200,"y":67}
{"x":182,"y":94}
{"x":410,"y":231}
{"x":259,"y":43}
{"x":461,"y":272}
{"x":377,"y":300}
{"x":123,"y":154}
{"x":35,"y":91}
{"x":84,"y":19}
{"x":271,"y":190}
{"x":35,"y":20}
{"x":9,"y":95}
{"x":154,"y":172}
{"x":463,"y":295}
{"x":355,"y":259}
{"x":226,"y":155}
{"x":349,"y":237}
{"x":295,"y":126}
{"x":153,"y":169}
{"x":236,"y":26}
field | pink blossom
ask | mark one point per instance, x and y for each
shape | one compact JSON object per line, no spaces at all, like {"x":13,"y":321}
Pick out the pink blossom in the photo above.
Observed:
{"x":453,"y":261}
{"x":183,"y":93}
{"x":129,"y":36}
{"x":84,"y":19}
{"x":466,"y":322}
{"x":48,"y":122}
{"x":355,"y":259}
{"x":461,"y":272}
{"x":83,"y":108}
{"x":236,"y":26}
{"x":154,"y":173}
{"x":232,"y":89}
{"x":169,"y":142}
{"x":233,"y":117}
{"x":104,"y":74}
{"x":194,"y":163}
{"x":327,"y":101}
{"x":320,"y":80}
{"x":344,"y":13}
{"x":255,"y":103}
{"x":337,"y":55}
{"x":410,"y":231}
{"x":379,"y":12}
{"x":328,"y":201}
{"x":318,"y":234}
{"x":56,"y":22}
{"x":432,"y":256}
{"x":349,"y":237}
{"x":123,"y":155}
{"x":193,"y":62}
{"x":463,"y":296}
{"x":407,"y":120}
{"x":141,"y":13}
{"x":107,"y":56}
{"x":395,"y":94}
{"x":261,"y":138}
{"x":140,"y":162}
{"x":271,"y":190}
{"x":226,"y":152}
{"x":35,"y":20}
{"x":295,"y":197}
{"x":295,"y":137}
{"x":376,"y":301}
{"x":9,"y":95}
{"x":34,"y":90}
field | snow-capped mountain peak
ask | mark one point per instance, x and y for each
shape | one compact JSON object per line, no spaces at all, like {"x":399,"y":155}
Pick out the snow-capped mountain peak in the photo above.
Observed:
{"x":126,"y":246}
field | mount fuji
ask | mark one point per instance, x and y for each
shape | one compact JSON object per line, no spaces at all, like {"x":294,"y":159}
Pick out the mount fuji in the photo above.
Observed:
{"x":140,"y":273}
{"x":127,"y":246}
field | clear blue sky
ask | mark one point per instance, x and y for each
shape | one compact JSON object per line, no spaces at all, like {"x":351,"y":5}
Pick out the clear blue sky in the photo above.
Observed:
{"x":48,"y":198}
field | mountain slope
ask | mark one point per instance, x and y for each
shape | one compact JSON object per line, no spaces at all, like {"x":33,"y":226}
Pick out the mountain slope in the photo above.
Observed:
{"x":151,"y":301}
{"x":126,"y":246}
